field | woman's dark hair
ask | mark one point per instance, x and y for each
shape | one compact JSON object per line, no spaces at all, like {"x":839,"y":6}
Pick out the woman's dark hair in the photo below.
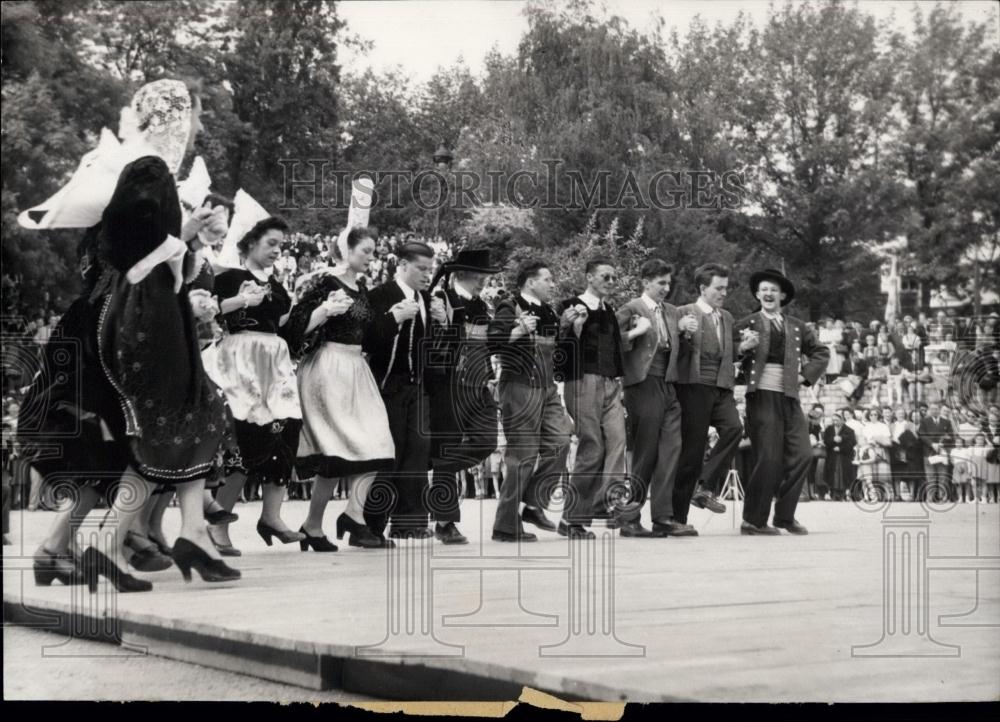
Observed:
{"x":271,"y":223}
{"x":354,"y":237}
{"x":703,"y":275}
{"x":529,"y":270}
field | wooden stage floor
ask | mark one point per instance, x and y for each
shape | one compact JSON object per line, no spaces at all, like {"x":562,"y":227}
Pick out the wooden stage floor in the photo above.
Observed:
{"x":875,"y":604}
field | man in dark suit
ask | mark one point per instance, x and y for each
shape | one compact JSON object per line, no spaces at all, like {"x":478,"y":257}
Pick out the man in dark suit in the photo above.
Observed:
{"x":774,"y":345}
{"x":398,"y":342}
{"x":652,"y":340}
{"x":524,"y":333}
{"x":937,"y":436}
{"x":463,"y":414}
{"x":706,"y":376}
{"x":591,"y":345}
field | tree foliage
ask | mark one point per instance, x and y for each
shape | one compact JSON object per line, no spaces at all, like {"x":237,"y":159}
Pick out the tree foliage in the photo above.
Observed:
{"x":846,"y":133}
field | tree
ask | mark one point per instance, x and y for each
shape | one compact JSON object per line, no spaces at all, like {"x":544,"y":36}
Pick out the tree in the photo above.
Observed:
{"x":948,"y":147}
{"x":815,"y":110}
{"x":54,"y":104}
{"x":285,"y":80}
{"x":568,"y":261}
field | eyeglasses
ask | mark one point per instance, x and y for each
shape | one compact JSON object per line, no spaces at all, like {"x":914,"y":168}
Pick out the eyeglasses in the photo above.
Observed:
{"x":608,"y":277}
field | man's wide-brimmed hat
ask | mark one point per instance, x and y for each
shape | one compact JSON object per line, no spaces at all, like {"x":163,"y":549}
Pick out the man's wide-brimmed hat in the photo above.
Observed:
{"x":770,"y":274}
{"x":472,"y":260}
{"x":476,"y":260}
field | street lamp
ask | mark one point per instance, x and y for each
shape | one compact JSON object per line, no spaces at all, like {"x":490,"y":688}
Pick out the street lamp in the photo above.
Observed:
{"x":443,"y":157}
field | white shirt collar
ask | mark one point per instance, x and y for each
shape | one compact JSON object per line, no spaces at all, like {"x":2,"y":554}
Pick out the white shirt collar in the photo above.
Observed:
{"x":704,"y":306}
{"x":590,"y":300}
{"x":531,"y":298}
{"x":771,"y":316}
{"x":650,"y":303}
{"x":407,"y":291}
{"x":462,"y":293}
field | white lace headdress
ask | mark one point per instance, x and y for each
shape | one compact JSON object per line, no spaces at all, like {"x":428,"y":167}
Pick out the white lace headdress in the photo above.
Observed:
{"x":161,"y":116}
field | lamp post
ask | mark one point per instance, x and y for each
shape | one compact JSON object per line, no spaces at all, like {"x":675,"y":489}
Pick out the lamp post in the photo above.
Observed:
{"x":442,"y":161}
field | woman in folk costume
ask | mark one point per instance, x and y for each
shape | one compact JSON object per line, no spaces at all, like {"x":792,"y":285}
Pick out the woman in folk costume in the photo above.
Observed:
{"x":72,"y":401}
{"x":146,"y":540}
{"x":147,"y":337}
{"x":345,"y":431}
{"x":254,"y":369}
{"x":70,"y":406}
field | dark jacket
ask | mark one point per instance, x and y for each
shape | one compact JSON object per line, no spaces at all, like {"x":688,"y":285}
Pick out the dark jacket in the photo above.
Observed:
{"x":571,"y":348}
{"x":799,"y":341}
{"x":460,"y":353}
{"x":526,"y":359}
{"x":931,"y":432}
{"x":639,"y":352}
{"x":387,"y":343}
{"x":855,"y":367}
{"x":689,"y":359}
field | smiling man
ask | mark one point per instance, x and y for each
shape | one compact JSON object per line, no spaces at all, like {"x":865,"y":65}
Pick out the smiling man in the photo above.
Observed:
{"x":773,"y":345}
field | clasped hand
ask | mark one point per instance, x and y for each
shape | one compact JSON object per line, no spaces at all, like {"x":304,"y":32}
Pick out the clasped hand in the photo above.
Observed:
{"x":404,"y":310}
{"x":337,"y":303}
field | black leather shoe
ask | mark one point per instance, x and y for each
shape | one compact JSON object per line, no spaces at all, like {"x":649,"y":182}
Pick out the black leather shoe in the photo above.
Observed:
{"x":188,"y":556}
{"x":673,"y":528}
{"x":226,"y":550}
{"x":359,"y":535}
{"x":792,"y":527}
{"x":285,"y":537}
{"x":748,"y":529}
{"x":420,"y":532}
{"x":521,"y":536}
{"x":318,"y":543}
{"x":449,"y":534}
{"x":537,"y":517}
{"x":704,"y":500}
{"x":50,"y":567}
{"x":221,"y":516}
{"x":574,"y":531}
{"x":146,"y":557}
{"x":95,"y":564}
{"x":633,"y":529}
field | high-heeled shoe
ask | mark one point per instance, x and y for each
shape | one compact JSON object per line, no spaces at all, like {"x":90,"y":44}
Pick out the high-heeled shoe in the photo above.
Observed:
{"x":285,"y":537}
{"x":360,"y":534}
{"x":221,"y":516}
{"x":188,"y":556}
{"x":318,"y":543}
{"x":146,"y":558}
{"x":50,"y":567}
{"x":226,"y":550}
{"x":96,"y":564}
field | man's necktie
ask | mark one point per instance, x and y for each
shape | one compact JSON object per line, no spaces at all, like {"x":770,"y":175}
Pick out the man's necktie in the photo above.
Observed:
{"x":717,"y":320}
{"x":661,"y":327}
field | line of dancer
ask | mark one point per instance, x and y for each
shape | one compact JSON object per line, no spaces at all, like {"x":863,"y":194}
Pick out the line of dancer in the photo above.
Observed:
{"x":389,"y":391}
